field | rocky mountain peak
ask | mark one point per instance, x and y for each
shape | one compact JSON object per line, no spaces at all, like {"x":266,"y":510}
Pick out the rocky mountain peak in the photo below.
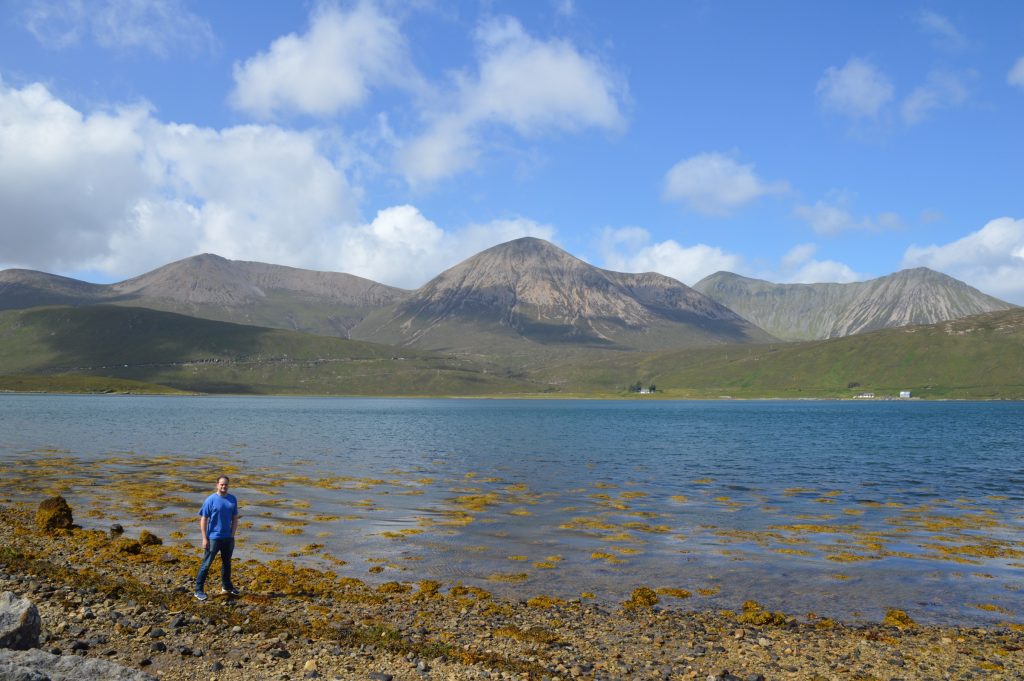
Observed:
{"x":534,"y":289}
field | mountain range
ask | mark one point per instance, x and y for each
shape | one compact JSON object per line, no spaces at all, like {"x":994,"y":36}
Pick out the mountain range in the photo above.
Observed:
{"x":817,"y":311}
{"x":524,"y":318}
{"x":525,"y":297}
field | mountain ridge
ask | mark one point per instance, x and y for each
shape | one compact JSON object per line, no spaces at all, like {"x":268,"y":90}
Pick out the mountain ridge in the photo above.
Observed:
{"x":832,"y":310}
{"x":211,"y":287}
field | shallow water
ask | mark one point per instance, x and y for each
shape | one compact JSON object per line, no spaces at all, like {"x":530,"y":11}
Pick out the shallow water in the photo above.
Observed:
{"x":839,"y":508}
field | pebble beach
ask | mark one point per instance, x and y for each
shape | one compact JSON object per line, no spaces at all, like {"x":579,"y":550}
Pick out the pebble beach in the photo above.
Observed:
{"x":115,"y":597}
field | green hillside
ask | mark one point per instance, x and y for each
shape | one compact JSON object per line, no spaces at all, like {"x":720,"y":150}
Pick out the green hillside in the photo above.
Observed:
{"x":109,"y":348}
{"x":975,"y":357}
{"x":192,"y":354}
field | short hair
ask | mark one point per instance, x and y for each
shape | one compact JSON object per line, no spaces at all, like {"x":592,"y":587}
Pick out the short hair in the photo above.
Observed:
{"x":224,"y":478}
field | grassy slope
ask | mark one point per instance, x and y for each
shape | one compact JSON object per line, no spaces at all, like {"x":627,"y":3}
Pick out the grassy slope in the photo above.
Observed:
{"x":73,"y":383}
{"x":194,"y":354}
{"x":981,"y":356}
{"x":977,"y":357}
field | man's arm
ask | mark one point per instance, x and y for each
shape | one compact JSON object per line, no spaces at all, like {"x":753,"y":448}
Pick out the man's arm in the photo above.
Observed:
{"x":202,"y":531}
{"x":234,"y":523}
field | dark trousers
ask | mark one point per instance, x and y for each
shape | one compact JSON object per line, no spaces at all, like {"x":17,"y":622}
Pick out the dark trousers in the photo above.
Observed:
{"x":225,"y":547}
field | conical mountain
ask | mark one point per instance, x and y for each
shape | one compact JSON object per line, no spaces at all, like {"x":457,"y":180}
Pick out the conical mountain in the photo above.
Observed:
{"x":819,"y":311}
{"x":211,"y":287}
{"x":529,"y":293}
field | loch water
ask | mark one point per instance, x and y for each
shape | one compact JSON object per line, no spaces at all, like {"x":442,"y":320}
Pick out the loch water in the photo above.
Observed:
{"x":841,"y":508}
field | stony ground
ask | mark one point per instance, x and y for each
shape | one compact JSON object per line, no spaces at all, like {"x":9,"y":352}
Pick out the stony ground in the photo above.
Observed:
{"x":131,"y":603}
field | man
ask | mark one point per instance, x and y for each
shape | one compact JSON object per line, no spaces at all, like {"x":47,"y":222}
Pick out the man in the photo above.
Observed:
{"x":218,"y":519}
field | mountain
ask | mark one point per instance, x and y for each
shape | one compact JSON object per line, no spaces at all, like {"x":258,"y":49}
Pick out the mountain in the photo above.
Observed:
{"x":817,"y":311}
{"x":212,"y":287}
{"x":528,"y":295}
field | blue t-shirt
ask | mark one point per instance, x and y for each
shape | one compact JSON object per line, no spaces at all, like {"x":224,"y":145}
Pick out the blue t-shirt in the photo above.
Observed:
{"x":219,"y":511}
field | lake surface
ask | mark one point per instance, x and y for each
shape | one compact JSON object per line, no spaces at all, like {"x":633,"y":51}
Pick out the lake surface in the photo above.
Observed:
{"x":839,"y":508}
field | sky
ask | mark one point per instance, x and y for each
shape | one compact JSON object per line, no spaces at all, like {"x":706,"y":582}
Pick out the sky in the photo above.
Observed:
{"x":797,"y":141}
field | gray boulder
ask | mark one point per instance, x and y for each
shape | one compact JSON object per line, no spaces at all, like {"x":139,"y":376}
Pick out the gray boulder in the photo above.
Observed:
{"x":20,"y":623}
{"x":38,"y":665}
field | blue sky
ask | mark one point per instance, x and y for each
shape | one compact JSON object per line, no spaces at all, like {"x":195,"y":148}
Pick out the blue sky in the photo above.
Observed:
{"x":794,"y":141}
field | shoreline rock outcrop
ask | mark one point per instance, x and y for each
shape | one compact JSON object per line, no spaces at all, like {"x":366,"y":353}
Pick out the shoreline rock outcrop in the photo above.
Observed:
{"x":20,"y":624}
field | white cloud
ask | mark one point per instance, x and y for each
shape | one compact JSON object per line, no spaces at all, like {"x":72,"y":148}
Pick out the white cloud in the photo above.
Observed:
{"x":403,"y":248}
{"x":798,"y":255}
{"x":990,"y":259}
{"x":332,"y":67}
{"x":857,"y":90}
{"x":534,"y":87}
{"x":823,"y":271}
{"x":942,"y":90}
{"x":1016,"y":74}
{"x":713,"y":183}
{"x":832,"y":215}
{"x":120,"y":192}
{"x":66,"y":179}
{"x":629,"y":250}
{"x":946,"y":34}
{"x":159,"y":26}
{"x":800,"y":267}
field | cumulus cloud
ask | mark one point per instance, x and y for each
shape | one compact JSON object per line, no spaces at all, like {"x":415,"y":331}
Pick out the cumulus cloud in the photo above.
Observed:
{"x":800,"y":267}
{"x":630,"y":250}
{"x":158,"y":26}
{"x":332,"y":67}
{"x":121,"y":192}
{"x":403,"y":248}
{"x":990,"y":259}
{"x":1016,"y":74}
{"x":857,"y":90}
{"x":532,"y":86}
{"x":941,"y":90}
{"x":942,"y":29}
{"x":66,"y":178}
{"x":714,"y":184}
{"x":832,"y":215}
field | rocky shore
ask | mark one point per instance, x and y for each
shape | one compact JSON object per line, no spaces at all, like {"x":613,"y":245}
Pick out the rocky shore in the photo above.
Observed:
{"x":126,"y":601}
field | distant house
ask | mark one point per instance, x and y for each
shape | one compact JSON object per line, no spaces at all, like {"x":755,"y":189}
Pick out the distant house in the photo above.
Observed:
{"x":864,"y":396}
{"x":904,"y":394}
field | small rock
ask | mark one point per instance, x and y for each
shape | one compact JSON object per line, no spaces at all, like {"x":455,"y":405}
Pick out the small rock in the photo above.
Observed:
{"x":147,"y":538}
{"x":739,"y":634}
{"x":116,"y":530}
